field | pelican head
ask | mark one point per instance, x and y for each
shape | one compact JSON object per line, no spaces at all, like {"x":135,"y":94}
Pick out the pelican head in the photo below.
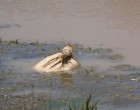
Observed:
{"x":70,"y":45}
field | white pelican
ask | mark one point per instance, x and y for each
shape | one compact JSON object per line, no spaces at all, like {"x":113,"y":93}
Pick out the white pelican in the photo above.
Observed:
{"x":63,"y":61}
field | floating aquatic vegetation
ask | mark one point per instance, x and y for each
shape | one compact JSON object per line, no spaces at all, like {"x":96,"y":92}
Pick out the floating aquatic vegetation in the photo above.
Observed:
{"x":5,"y":26}
{"x":116,"y":57}
{"x":103,"y":50}
{"x":125,"y":67}
{"x":34,"y":43}
{"x":112,"y":57}
{"x":14,"y":41}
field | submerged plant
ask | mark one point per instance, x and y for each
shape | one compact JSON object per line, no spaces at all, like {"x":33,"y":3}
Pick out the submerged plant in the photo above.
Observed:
{"x":0,"y":39}
{"x":88,"y":105}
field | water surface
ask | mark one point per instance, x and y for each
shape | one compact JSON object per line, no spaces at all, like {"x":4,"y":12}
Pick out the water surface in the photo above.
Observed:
{"x":115,"y":84}
{"x":109,"y":23}
{"x":106,"y":38}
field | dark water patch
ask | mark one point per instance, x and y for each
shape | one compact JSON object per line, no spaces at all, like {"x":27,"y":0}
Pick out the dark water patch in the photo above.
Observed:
{"x":5,"y":26}
{"x":116,"y":57}
{"x":124,"y":69}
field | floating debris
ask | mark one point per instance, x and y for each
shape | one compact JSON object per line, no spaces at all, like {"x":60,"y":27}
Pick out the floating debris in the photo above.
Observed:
{"x":134,"y":78}
{"x":14,"y":41}
{"x":2,"y":26}
{"x":116,"y":57}
{"x":103,"y":50}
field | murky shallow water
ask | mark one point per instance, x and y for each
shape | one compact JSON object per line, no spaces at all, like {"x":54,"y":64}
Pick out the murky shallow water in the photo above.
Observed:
{"x":102,"y":25}
{"x":115,"y":84}
{"x":112,"y":24}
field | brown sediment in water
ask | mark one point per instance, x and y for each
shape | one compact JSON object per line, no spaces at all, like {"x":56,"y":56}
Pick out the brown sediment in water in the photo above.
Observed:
{"x":113,"y":24}
{"x":103,"y":25}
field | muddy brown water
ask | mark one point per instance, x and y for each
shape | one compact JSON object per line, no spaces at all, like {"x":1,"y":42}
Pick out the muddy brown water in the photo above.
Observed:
{"x":108,"y":23}
{"x":98,"y":24}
